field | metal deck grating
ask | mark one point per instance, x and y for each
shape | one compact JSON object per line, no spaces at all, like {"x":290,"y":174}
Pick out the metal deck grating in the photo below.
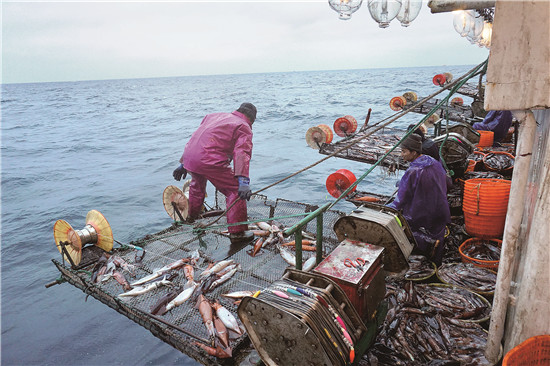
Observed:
{"x":256,"y":273}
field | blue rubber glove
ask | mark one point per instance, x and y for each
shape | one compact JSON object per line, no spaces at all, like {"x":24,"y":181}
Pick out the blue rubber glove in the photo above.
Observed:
{"x":179,"y":173}
{"x":244,"y":188}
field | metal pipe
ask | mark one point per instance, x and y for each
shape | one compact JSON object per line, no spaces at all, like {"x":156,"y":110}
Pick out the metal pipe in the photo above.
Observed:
{"x":298,"y":243}
{"x":305,"y":220}
{"x":319,"y":240}
{"x":445,"y":6}
{"x":511,"y":230}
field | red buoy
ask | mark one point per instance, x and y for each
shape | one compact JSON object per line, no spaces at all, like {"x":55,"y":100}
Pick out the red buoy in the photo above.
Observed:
{"x":439,"y":80}
{"x":345,"y":126}
{"x":397,"y":103}
{"x":457,"y":101}
{"x":339,"y":181}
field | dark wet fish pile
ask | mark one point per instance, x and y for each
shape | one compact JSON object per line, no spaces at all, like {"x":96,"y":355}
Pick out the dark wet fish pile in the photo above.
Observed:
{"x":483,"y":249}
{"x":419,"y":268}
{"x":476,"y":157}
{"x":499,"y":161}
{"x":453,"y":241}
{"x":469,"y":276}
{"x":492,"y":175}
{"x":424,"y":327}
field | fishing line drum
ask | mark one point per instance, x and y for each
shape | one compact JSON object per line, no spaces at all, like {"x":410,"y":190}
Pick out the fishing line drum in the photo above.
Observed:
{"x":70,"y":242}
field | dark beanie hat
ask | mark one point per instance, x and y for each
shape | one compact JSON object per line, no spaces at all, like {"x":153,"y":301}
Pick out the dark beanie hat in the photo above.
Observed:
{"x":413,"y":143}
{"x":248,"y":110}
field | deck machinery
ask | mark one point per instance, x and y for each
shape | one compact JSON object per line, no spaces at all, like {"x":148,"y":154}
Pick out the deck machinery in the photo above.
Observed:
{"x":329,"y":316}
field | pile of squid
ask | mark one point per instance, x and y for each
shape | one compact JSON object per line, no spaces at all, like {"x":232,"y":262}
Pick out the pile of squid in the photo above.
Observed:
{"x":469,"y":276}
{"x":499,"y":161}
{"x":272,"y":235}
{"x":487,"y":250}
{"x":426,"y":325}
{"x":419,"y":268}
{"x":112,"y":266}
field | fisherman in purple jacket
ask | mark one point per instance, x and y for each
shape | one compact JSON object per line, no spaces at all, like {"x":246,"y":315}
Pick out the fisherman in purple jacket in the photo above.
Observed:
{"x":220,"y":138}
{"x":422,"y":198}
{"x":497,"y":121}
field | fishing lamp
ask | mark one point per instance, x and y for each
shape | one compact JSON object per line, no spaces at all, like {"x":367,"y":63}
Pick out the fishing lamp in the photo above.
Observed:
{"x":409,"y":11}
{"x":345,"y":7}
{"x":475,"y":25}
{"x":383,"y":11}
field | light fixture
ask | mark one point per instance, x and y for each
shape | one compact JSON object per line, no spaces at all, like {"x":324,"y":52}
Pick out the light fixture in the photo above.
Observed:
{"x":462,"y":21}
{"x":383,"y":11}
{"x":409,"y":11}
{"x":345,"y":7}
{"x":476,"y":27}
{"x":486,"y":34}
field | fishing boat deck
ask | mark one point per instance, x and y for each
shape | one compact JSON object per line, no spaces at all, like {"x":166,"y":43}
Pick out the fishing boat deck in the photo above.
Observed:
{"x":178,"y":242}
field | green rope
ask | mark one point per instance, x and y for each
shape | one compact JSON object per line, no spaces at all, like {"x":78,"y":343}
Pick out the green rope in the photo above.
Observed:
{"x":452,"y":91}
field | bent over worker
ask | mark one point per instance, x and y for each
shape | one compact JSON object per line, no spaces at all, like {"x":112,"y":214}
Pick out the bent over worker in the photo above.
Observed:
{"x":220,"y":138}
{"x":497,"y":121}
{"x":422,"y":197}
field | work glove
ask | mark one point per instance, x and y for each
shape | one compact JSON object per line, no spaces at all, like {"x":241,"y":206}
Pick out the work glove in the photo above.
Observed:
{"x":244,"y":188}
{"x":180,"y":172}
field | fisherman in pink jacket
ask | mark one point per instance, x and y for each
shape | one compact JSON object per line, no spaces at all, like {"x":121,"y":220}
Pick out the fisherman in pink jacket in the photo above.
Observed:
{"x":220,"y":138}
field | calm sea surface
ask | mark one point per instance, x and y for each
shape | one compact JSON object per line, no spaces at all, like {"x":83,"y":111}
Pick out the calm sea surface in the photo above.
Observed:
{"x":71,"y":147}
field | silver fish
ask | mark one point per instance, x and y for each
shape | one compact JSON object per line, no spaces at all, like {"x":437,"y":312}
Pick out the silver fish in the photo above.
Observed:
{"x":309,"y":264}
{"x":181,"y":298}
{"x":140,"y":290}
{"x":287,"y":256}
{"x":227,"y":318}
{"x":224,"y":278}
{"x":216,"y":268}
{"x":238,"y":294}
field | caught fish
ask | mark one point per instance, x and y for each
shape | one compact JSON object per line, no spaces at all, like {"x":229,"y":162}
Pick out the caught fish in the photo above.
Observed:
{"x":257,"y":247}
{"x":121,"y":263}
{"x":119,"y":277}
{"x":287,"y":256}
{"x":161,"y":271}
{"x":217,"y":352}
{"x":304,"y":242}
{"x":264,"y":226}
{"x":216,"y":268}
{"x":309,"y":264}
{"x":101,"y":263}
{"x":261,"y":232}
{"x":238,"y":294}
{"x":140,"y":290}
{"x":224,"y":278}
{"x":188,"y":271}
{"x":469,"y":276}
{"x":221,"y":331}
{"x":181,"y":298}
{"x":419,"y":267}
{"x":227,"y":318}
{"x":160,"y":306}
{"x":205,"y":309}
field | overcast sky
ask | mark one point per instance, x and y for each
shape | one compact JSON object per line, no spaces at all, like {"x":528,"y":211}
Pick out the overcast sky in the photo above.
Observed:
{"x":67,"y":41}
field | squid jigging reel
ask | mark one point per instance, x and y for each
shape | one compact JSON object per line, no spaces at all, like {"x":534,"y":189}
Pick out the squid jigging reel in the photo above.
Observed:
{"x":70,"y":242}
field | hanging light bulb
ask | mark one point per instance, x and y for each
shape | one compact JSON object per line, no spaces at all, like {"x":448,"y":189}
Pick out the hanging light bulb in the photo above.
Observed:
{"x":383,"y":11}
{"x":345,"y":7}
{"x":462,"y":21}
{"x":486,"y":34}
{"x":476,"y":27}
{"x":409,"y":11}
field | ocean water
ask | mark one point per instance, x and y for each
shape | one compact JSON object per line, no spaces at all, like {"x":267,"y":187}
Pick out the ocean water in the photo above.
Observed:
{"x":111,"y":145}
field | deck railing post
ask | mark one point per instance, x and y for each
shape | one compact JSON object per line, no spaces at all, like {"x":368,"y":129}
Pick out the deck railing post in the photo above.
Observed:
{"x":319,"y":246}
{"x":298,"y":242}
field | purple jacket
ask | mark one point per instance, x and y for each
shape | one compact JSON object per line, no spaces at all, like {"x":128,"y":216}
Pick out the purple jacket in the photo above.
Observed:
{"x":220,"y":138}
{"x":422,"y":196}
{"x":497,"y":121}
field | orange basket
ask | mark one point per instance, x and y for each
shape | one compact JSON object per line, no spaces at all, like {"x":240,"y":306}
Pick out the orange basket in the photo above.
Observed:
{"x":471,"y":165}
{"x":486,"y":138}
{"x":534,"y":351}
{"x":484,"y":226}
{"x":488,"y":167}
{"x":478,"y":262}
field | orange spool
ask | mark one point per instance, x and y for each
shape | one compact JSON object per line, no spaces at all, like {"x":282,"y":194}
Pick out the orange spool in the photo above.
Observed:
{"x":478,"y":262}
{"x":439,"y":79}
{"x":397,"y":103}
{"x":486,"y":138}
{"x":328,"y":133}
{"x":534,"y":351}
{"x":457,"y":101}
{"x":345,"y":126}
{"x":339,"y":181}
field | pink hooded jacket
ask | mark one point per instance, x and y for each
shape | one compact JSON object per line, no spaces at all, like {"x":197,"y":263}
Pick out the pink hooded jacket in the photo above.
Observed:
{"x":220,"y":138}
